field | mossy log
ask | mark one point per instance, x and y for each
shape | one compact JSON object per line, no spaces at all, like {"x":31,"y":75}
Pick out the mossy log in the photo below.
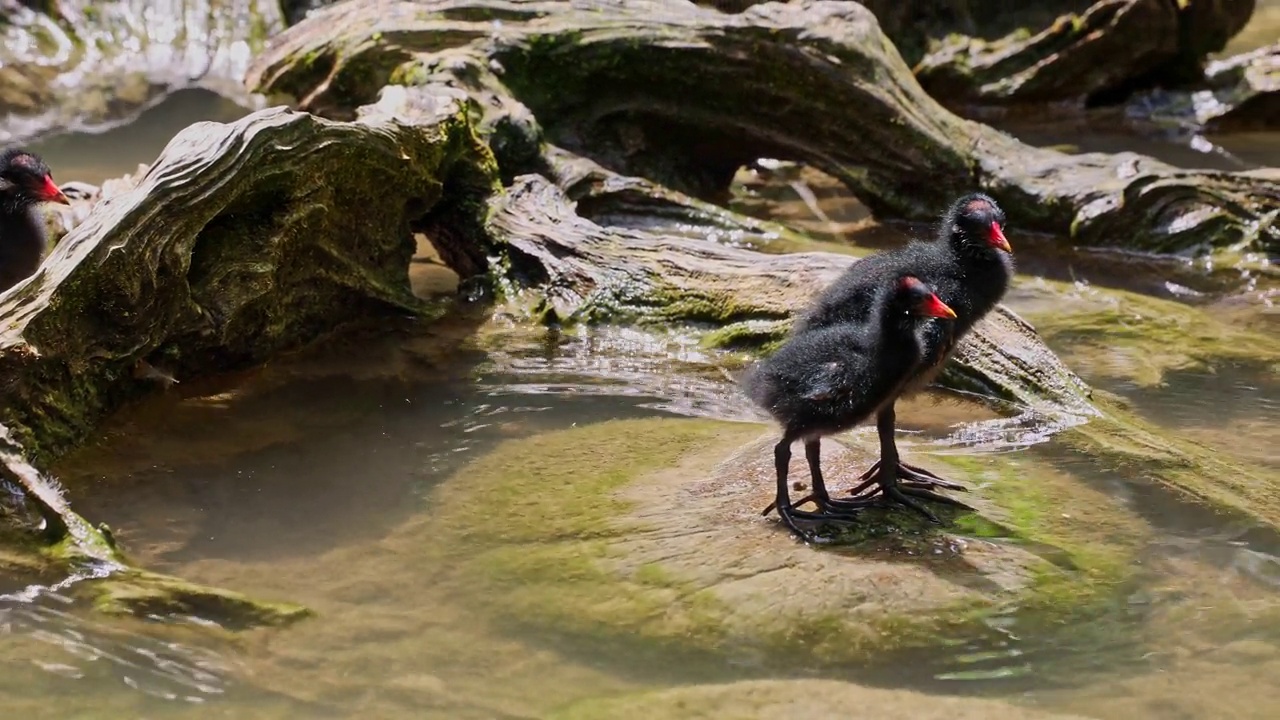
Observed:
{"x":685,"y":95}
{"x":585,"y":272}
{"x":1076,"y":51}
{"x":240,"y":241}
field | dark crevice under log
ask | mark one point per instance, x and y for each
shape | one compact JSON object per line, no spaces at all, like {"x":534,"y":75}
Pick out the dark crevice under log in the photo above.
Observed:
{"x":683,"y":95}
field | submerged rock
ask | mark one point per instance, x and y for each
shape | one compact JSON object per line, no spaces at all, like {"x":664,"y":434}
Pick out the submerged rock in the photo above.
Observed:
{"x":649,"y":532}
{"x":788,"y":699}
{"x":1133,"y":341}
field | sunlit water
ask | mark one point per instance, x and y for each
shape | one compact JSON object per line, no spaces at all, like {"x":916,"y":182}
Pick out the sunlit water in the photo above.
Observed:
{"x":276,"y":483}
{"x":285,"y":483}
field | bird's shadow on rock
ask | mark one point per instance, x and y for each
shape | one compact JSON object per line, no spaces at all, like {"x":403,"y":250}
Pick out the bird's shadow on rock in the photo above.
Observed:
{"x":897,"y":534}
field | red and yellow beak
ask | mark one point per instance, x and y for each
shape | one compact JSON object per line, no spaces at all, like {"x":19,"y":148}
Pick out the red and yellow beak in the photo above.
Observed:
{"x":50,"y":192}
{"x":997,"y":238}
{"x":934,"y":307}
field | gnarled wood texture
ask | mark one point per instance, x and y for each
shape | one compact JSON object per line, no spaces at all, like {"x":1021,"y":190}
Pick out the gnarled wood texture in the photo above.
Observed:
{"x":685,"y":95}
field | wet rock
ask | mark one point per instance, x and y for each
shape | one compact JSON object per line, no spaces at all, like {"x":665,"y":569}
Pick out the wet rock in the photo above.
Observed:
{"x":649,"y":532}
{"x":988,"y":52}
{"x":584,"y":272}
{"x":707,"y":102}
{"x":785,"y":699}
{"x":77,"y":64}
{"x":1241,"y":93}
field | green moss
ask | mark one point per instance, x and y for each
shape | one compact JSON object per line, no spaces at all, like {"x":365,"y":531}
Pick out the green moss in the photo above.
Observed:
{"x":1123,"y":443}
{"x":1142,"y":338}
{"x":560,"y":561}
{"x":761,"y":336}
{"x":144,"y":594}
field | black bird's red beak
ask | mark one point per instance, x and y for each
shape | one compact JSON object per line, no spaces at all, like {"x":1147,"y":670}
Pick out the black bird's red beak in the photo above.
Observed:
{"x":934,"y":307}
{"x":51,"y":193}
{"x":997,"y":238}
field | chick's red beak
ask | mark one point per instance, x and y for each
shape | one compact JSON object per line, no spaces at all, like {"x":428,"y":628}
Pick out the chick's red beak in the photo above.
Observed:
{"x":49,"y":192}
{"x":997,"y":238}
{"x":934,"y":307}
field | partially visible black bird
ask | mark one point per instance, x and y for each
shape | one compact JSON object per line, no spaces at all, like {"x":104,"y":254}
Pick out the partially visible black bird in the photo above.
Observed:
{"x":24,"y":181}
{"x":832,"y":378}
{"x":969,"y":265}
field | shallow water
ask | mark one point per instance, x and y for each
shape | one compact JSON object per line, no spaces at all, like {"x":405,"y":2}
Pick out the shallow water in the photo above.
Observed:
{"x":294,"y":483}
{"x":297,"y":482}
{"x":98,"y":156}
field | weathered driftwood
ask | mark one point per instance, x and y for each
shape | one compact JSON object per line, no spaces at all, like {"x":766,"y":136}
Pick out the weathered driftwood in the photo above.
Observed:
{"x":583,"y":271}
{"x":685,"y":95}
{"x":994,"y":52}
{"x":1240,"y":93}
{"x":240,"y":241}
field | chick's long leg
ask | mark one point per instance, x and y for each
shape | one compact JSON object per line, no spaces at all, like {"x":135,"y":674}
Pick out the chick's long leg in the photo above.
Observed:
{"x":786,"y":511}
{"x":907,"y":476}
{"x":885,"y":475}
{"x":819,"y":495}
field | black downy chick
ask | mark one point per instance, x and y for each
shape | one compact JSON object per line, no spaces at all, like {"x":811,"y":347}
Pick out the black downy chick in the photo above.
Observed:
{"x":24,"y":182}
{"x":969,"y":265}
{"x":832,"y":378}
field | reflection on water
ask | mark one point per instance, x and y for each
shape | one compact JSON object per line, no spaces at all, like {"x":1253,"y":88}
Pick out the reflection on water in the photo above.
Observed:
{"x":45,"y":629}
{"x":94,"y":157}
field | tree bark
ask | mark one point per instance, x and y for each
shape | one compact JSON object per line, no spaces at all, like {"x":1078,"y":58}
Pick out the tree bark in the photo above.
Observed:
{"x":685,"y":95}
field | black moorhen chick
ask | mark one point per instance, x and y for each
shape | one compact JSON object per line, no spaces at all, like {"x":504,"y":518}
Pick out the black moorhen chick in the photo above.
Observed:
{"x":24,"y":181}
{"x":829,"y":379}
{"x":969,"y":265}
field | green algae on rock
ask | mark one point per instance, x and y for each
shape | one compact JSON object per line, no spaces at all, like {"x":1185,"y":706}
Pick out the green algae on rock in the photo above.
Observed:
{"x":1121,"y":334}
{"x":649,"y":532}
{"x":788,"y":699}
